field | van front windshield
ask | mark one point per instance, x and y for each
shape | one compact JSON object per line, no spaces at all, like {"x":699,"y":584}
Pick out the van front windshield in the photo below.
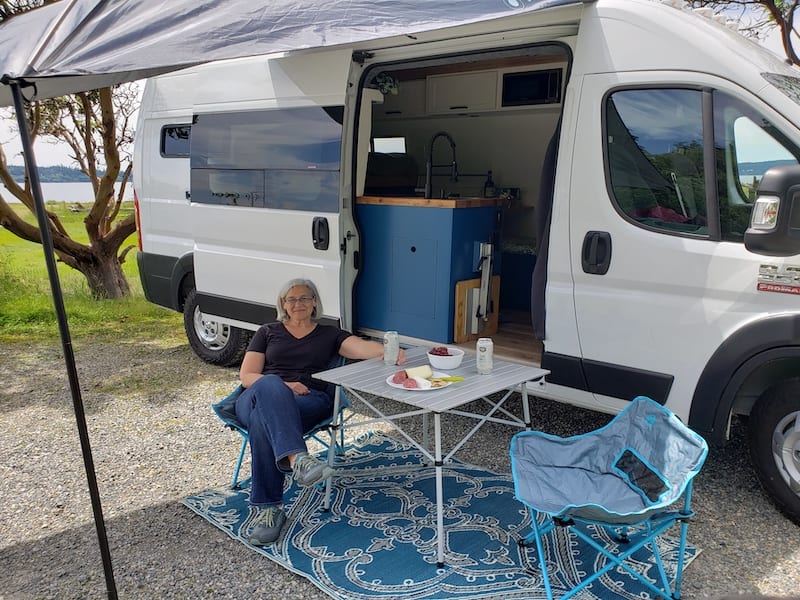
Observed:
{"x":788,"y":84}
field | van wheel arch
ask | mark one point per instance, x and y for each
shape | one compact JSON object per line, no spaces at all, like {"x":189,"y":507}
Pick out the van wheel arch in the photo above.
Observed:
{"x":745,"y":357}
{"x":216,"y":343}
{"x":754,"y":373}
{"x":182,"y":280}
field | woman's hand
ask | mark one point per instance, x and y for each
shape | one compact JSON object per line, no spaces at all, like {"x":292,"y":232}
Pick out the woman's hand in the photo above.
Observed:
{"x":401,"y":357}
{"x":359,"y":348}
{"x":298,"y":388}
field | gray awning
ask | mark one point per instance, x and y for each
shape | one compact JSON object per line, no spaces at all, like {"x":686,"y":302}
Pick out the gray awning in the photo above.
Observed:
{"x":77,"y":45}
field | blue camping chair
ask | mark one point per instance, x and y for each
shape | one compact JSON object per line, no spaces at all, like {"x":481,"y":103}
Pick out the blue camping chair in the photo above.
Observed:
{"x":225,"y":409}
{"x":621,"y":478}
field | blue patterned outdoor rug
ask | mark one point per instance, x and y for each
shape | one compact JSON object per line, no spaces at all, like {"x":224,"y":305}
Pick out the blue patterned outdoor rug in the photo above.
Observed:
{"x":379,"y":539}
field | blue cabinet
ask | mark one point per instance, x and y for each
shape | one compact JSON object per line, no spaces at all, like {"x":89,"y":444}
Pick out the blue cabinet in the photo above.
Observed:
{"x":411,"y":258}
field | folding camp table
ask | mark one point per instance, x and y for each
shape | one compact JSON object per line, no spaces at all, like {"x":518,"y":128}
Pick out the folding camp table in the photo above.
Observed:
{"x":369,"y":378}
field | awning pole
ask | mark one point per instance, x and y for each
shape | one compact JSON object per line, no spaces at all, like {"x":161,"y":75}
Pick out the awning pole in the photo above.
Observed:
{"x":63,"y":326}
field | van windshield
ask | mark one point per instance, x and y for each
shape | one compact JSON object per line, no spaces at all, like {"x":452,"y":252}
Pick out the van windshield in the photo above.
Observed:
{"x":788,"y":84}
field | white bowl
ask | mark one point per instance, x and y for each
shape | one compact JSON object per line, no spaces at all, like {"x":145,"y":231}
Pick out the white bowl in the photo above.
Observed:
{"x":453,"y":361}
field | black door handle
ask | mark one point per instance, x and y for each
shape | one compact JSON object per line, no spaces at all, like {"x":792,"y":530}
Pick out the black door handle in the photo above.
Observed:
{"x":320,"y":233}
{"x":596,"y":252}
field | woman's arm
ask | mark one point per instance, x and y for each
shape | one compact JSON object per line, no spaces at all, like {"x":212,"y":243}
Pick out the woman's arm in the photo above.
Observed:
{"x":252,"y":367}
{"x":359,"y":348}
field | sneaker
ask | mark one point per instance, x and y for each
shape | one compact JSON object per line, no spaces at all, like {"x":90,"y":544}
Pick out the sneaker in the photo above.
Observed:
{"x":309,"y":470}
{"x":266,"y":525}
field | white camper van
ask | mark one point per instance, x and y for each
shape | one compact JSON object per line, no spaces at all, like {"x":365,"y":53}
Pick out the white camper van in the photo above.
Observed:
{"x":608,"y":189}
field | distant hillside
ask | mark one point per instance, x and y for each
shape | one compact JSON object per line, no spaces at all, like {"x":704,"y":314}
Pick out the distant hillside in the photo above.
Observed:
{"x":50,"y":174}
{"x":759,"y":168}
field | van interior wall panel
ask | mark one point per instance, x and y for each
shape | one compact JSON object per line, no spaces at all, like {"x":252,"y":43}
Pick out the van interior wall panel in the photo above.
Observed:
{"x":511,"y":145}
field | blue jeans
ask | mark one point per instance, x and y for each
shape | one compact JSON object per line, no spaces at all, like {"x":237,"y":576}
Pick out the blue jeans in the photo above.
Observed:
{"x":277,"y":419}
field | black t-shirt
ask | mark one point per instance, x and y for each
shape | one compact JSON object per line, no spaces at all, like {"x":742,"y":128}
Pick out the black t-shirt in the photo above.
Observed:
{"x":294,"y":359}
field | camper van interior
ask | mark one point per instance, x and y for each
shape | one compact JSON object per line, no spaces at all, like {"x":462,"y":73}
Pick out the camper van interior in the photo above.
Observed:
{"x":450,"y":154}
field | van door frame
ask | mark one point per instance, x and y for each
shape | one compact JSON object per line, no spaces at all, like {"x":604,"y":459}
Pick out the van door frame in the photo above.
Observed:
{"x":363,"y":62}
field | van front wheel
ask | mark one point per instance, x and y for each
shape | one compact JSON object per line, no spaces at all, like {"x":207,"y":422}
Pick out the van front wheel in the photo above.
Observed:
{"x":775,"y":445}
{"x":216,"y":343}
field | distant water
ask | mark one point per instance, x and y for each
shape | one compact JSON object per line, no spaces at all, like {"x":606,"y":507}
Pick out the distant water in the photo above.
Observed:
{"x":80,"y":191}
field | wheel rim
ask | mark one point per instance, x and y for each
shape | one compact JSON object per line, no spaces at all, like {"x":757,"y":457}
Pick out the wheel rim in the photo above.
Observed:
{"x":212,"y":334}
{"x":786,"y":450}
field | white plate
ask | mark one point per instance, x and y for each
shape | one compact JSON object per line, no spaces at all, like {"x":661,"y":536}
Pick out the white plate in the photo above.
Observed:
{"x":436,"y":374}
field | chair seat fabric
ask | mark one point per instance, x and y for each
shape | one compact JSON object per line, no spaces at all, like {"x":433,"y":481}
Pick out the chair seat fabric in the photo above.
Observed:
{"x":634,"y":467}
{"x":225,"y":410}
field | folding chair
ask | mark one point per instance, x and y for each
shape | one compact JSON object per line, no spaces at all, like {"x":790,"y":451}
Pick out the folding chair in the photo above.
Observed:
{"x":225,"y":409}
{"x":621,"y":478}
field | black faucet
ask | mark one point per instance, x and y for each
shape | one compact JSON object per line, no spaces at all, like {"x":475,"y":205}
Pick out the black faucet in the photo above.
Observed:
{"x":429,"y":165}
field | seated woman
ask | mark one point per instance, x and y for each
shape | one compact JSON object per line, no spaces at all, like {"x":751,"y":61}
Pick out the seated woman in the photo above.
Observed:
{"x":282,"y":401}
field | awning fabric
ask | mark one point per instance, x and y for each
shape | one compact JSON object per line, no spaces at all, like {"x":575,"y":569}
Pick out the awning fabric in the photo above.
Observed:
{"x":76,"y":45}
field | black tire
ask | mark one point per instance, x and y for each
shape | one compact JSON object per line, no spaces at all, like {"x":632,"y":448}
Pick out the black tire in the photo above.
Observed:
{"x":214,"y":342}
{"x":775,"y":445}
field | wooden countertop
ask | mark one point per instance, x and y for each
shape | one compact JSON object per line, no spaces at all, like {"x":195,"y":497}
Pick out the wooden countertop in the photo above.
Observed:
{"x":466,"y":202}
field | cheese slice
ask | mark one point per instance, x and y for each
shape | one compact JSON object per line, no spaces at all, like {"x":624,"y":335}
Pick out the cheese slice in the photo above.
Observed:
{"x":423,"y":371}
{"x":423,"y":383}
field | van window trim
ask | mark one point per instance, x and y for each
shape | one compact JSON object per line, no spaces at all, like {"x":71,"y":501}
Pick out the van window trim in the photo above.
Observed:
{"x":162,"y":138}
{"x":711,"y":197}
{"x":710,"y":96}
{"x":334,"y":112}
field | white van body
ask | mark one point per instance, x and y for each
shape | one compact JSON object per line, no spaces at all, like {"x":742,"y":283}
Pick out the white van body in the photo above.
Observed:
{"x":642,"y":296}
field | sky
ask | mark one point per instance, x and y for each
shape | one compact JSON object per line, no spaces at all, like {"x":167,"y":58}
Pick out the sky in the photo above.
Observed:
{"x":49,"y":154}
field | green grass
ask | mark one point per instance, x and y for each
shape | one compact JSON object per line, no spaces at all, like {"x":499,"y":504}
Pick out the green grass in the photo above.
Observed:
{"x":27,"y":311}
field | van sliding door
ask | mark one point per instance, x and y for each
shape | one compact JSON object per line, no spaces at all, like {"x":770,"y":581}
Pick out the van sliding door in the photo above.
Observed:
{"x":265,"y":203}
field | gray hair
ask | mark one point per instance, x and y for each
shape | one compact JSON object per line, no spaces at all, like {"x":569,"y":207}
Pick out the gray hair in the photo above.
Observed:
{"x":282,"y":316}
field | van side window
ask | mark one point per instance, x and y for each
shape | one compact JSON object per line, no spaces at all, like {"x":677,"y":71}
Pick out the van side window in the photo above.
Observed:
{"x":175,"y":141}
{"x":654,"y":148}
{"x":746,"y":145}
{"x":654,"y":145}
{"x":283,"y":158}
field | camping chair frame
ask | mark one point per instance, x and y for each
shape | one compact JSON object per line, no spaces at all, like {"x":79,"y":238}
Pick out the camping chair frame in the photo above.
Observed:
{"x":225,"y":409}
{"x":631,"y":537}
{"x":631,"y":529}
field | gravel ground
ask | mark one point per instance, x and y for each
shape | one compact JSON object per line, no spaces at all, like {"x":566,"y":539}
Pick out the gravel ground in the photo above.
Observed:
{"x":155,"y":441}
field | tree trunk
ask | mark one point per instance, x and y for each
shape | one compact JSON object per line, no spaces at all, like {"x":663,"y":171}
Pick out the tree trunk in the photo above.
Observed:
{"x":105,"y":277}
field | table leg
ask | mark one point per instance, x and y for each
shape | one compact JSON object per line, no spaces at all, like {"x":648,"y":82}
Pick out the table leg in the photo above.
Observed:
{"x":425,"y":431}
{"x":437,"y":425}
{"x":526,"y":409}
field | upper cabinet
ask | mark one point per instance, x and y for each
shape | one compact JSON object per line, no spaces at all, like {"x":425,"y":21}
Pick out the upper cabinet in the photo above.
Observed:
{"x":461,"y":92}
{"x":503,"y":89}
{"x":408,"y":102}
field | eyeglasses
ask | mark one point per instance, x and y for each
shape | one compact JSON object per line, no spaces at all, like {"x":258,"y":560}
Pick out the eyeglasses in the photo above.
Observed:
{"x":301,"y":299}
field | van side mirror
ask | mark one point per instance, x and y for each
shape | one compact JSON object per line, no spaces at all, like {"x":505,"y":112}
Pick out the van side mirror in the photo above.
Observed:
{"x":775,"y":222}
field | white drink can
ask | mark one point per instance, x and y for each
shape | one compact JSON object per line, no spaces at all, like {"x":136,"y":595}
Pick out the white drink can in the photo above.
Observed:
{"x":484,"y":360}
{"x":391,"y":347}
